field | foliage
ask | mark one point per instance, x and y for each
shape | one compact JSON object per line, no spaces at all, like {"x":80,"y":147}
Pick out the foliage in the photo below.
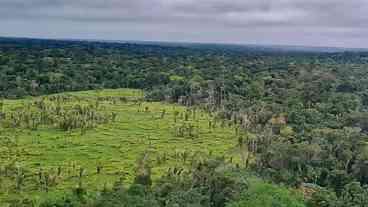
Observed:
{"x":267,"y":195}
{"x":204,"y":185}
{"x":293,"y":117}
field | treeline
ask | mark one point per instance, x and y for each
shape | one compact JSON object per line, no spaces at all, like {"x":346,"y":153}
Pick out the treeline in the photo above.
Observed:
{"x":212,"y":183}
{"x":35,"y":67}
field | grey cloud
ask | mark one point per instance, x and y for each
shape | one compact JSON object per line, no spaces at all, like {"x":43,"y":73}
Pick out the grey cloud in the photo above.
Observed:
{"x":337,"y":22}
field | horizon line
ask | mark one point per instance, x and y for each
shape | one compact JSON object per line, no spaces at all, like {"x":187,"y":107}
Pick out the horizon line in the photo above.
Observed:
{"x":341,"y":49}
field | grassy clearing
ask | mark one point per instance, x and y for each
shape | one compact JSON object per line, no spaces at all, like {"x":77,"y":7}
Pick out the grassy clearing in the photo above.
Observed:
{"x":140,"y":127}
{"x":263,"y":194}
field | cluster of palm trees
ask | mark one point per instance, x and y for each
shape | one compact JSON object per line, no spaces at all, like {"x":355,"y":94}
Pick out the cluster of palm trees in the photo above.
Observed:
{"x":185,"y":123}
{"x":60,"y":112}
{"x":186,"y":129}
{"x":15,"y":177}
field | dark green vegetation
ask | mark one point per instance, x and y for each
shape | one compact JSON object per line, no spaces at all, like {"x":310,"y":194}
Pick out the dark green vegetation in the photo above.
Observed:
{"x":297,"y":119}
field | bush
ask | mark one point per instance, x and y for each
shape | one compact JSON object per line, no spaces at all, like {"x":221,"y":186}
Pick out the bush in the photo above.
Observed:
{"x":157,"y":94}
{"x":268,"y":195}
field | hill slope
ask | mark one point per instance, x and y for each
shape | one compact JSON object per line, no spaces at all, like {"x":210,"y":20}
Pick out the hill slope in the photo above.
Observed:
{"x":31,"y":151}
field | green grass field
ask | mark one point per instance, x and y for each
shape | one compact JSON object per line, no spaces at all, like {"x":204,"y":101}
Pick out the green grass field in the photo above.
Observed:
{"x":140,"y":127}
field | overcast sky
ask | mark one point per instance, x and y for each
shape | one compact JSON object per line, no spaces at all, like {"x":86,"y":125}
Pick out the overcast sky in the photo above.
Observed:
{"x":293,"y":22}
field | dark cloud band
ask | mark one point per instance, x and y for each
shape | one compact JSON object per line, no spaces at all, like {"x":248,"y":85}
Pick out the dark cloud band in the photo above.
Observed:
{"x":191,"y":18}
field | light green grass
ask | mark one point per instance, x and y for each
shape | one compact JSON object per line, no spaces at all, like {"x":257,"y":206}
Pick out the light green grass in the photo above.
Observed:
{"x":117,"y":146}
{"x":263,"y":194}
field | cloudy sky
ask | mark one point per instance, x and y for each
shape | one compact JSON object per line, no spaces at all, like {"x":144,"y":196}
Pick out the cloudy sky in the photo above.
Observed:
{"x":292,"y":22}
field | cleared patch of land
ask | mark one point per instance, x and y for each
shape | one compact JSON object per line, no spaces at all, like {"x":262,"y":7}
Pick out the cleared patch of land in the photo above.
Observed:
{"x":97,"y":156}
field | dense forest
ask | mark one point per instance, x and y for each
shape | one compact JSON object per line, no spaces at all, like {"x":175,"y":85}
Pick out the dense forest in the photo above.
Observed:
{"x":303,"y":116}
